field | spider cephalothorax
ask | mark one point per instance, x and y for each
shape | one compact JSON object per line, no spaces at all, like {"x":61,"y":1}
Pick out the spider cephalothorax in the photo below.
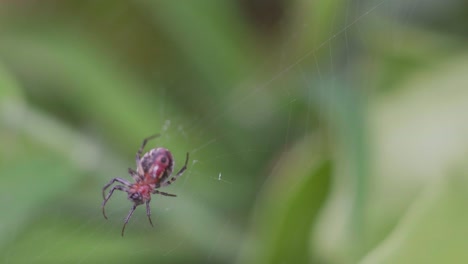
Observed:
{"x":154,"y":171}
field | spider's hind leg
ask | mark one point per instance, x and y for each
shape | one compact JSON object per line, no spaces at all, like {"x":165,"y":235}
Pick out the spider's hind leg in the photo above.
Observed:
{"x":140,"y":150}
{"x":178,"y":174}
{"x":134,"y":175}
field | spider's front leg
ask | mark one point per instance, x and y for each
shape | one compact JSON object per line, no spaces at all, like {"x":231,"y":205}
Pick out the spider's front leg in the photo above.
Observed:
{"x":117,"y":187}
{"x":128,"y":217}
{"x":148,"y":212}
{"x":164,"y":193}
{"x":122,"y":181}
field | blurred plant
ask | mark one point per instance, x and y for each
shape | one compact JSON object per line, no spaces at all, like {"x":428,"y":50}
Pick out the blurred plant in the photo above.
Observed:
{"x":320,"y":131}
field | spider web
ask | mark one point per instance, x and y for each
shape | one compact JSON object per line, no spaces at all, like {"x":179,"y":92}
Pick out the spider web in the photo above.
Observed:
{"x":174,"y":234}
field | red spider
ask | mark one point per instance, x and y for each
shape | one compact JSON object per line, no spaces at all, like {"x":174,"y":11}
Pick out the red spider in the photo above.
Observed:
{"x":153,"y":172}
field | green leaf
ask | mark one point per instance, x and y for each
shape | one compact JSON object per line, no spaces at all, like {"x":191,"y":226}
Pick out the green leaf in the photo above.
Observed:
{"x":286,"y":213}
{"x":434,"y":229}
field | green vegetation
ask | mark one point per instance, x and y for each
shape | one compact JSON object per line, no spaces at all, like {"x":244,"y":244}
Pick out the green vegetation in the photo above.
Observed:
{"x":319,"y":131}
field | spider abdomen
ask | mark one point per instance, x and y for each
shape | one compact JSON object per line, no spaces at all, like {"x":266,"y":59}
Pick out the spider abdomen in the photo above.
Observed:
{"x":157,"y":165}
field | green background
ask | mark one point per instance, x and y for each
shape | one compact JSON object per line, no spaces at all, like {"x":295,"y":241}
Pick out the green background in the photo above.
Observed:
{"x":319,"y":131}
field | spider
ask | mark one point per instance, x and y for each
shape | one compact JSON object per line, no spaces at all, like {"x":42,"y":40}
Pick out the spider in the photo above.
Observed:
{"x":153,"y":172}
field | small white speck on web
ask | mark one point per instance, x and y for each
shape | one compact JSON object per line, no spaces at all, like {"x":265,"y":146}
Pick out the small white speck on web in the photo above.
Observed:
{"x":219,"y":179}
{"x":194,"y":161}
{"x":182,"y":131}
{"x":166,"y":126}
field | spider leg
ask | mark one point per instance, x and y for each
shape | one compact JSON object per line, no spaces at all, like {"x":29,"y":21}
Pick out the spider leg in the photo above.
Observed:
{"x":122,"y":181}
{"x":140,"y":150}
{"x":134,"y":175}
{"x":128,"y":217}
{"x":164,"y":193}
{"x":148,"y":212}
{"x":117,"y":187}
{"x":181,"y":171}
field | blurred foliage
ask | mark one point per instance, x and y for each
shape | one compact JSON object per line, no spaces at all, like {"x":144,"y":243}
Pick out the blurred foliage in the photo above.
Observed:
{"x":319,"y":131}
